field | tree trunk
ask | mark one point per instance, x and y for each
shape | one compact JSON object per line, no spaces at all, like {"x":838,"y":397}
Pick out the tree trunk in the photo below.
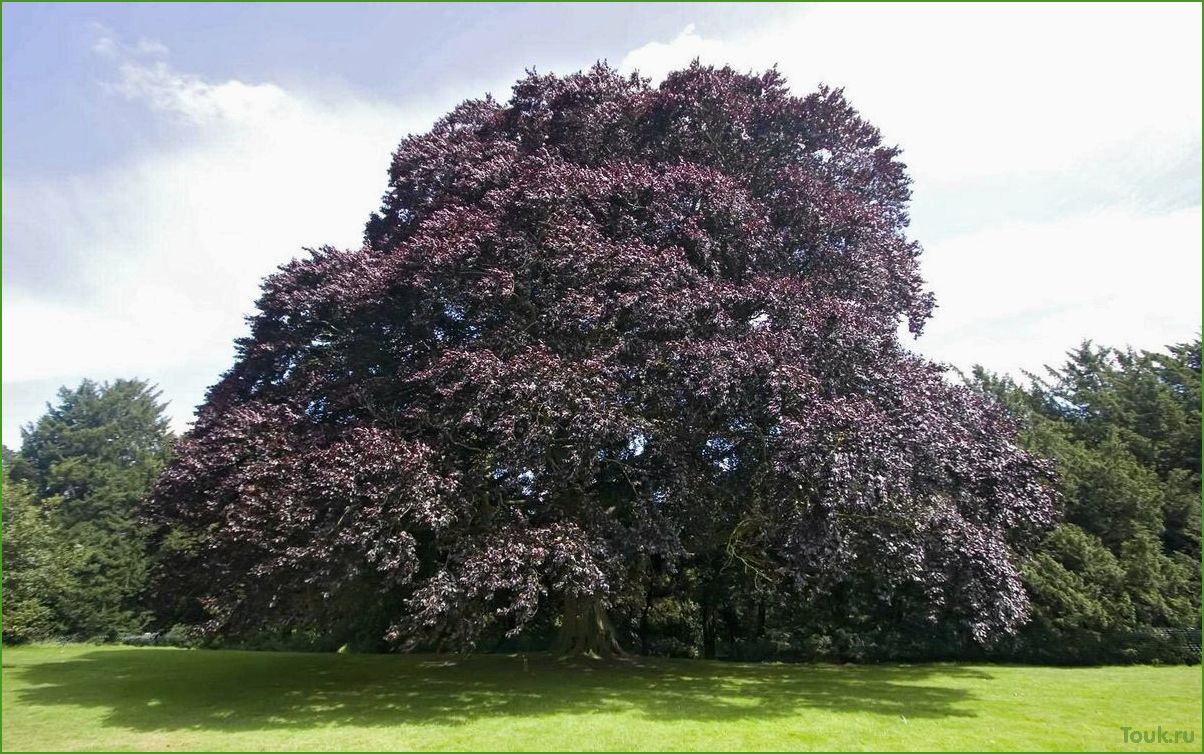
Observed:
{"x":585,"y":629}
{"x":708,"y":630}
{"x":731,"y":622}
{"x":644,"y":646}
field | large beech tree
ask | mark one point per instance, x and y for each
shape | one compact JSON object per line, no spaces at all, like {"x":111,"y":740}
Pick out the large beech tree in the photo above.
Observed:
{"x":599,"y":329}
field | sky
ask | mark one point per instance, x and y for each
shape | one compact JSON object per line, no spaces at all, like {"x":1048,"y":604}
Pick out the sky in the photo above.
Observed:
{"x":159,"y":160}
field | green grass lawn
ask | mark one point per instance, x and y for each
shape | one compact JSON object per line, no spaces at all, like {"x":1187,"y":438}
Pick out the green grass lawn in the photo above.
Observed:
{"x":89,"y":697}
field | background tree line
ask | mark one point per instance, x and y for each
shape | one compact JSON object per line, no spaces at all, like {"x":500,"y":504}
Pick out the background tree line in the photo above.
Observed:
{"x":1118,"y":580}
{"x":76,"y":560}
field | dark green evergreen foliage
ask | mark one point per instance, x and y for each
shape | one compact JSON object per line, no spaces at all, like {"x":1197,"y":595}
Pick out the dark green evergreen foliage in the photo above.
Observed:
{"x":38,"y":564}
{"x":90,"y":460}
{"x":1119,"y":580}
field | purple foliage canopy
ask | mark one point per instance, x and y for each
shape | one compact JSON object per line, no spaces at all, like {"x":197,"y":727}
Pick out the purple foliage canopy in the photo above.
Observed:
{"x":601,"y":323}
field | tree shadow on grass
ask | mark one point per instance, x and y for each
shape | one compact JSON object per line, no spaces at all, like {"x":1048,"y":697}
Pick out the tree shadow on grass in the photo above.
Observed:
{"x":159,"y":690}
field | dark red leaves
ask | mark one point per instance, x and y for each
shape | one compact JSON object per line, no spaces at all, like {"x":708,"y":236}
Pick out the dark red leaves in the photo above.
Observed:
{"x":598,"y":324}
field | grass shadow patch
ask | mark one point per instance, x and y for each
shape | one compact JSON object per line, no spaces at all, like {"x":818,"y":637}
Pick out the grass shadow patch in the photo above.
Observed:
{"x":165,"y":690}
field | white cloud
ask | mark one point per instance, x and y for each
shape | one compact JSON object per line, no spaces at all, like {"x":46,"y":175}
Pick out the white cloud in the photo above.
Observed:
{"x":1056,"y":152}
{"x":657,"y":59}
{"x":1018,"y":297}
{"x":111,"y":47}
{"x":147,"y":268}
{"x":981,"y":90}
{"x":167,"y":90}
